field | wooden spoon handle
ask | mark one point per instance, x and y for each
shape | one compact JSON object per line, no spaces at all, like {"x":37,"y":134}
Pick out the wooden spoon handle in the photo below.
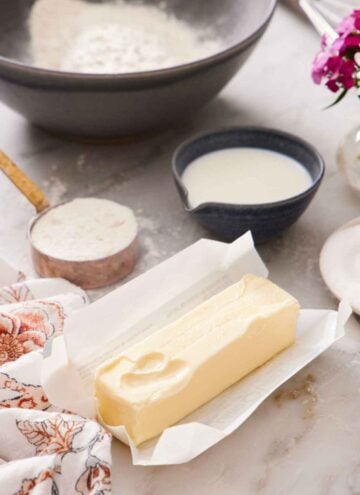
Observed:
{"x":30,"y":190}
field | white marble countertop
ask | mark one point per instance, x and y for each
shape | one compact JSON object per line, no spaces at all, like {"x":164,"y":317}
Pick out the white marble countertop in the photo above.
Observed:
{"x":306,"y":437}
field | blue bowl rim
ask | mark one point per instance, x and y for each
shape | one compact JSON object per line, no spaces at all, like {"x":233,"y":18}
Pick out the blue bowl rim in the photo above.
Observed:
{"x":184,"y":194}
{"x":78,"y":77}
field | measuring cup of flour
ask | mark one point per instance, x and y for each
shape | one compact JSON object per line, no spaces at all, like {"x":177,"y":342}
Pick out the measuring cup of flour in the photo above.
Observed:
{"x":91,"y":242}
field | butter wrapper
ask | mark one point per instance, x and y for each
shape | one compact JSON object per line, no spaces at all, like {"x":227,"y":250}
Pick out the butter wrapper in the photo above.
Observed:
{"x":130,"y":313}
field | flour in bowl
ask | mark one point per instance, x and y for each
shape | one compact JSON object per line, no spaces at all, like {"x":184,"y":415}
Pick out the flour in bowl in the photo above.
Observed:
{"x":113,"y":37}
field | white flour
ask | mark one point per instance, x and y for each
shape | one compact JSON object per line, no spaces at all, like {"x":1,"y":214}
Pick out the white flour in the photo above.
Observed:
{"x":85,"y":229}
{"x":115,"y":37}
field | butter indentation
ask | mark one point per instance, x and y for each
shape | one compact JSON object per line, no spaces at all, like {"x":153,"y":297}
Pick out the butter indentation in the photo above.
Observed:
{"x":154,"y":370}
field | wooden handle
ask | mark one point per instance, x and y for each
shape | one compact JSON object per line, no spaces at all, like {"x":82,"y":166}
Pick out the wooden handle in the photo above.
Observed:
{"x":30,"y":190}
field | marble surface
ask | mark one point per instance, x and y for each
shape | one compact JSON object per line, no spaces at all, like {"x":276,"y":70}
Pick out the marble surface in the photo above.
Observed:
{"x":305,"y":438}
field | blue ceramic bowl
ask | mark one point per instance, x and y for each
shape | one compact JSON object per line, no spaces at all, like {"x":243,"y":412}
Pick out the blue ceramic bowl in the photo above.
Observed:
{"x":229,"y":221}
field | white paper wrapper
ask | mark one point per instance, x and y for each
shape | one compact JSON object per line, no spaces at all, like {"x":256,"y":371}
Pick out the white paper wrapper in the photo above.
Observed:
{"x":161,"y":295}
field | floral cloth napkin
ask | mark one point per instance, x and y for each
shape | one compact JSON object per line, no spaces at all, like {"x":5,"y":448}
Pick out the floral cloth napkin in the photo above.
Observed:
{"x":43,"y":451}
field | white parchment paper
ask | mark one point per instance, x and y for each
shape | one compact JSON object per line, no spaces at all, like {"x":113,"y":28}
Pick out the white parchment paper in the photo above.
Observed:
{"x":159,"y":296}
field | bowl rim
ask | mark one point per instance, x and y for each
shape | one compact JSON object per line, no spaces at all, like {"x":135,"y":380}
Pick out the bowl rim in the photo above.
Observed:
{"x":184,"y":194}
{"x":79,"y":77}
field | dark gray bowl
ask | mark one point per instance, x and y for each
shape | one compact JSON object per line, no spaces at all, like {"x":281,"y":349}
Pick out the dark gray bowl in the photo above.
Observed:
{"x":229,"y":221}
{"x":112,"y":106}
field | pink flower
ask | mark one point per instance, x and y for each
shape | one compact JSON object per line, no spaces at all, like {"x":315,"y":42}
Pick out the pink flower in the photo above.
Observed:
{"x":319,"y":67}
{"x":346,"y":26}
{"x":342,"y":74}
{"x":336,"y":63}
{"x":324,"y":42}
{"x":346,"y":74}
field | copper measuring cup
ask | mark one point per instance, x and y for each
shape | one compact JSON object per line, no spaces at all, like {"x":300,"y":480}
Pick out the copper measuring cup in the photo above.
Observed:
{"x":89,"y":274}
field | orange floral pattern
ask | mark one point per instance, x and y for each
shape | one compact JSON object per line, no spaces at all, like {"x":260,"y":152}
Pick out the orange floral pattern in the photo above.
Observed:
{"x":24,"y":396}
{"x":55,"y":435}
{"x":96,"y":480}
{"x":52,"y":436}
{"x":26,"y":325}
{"x":15,"y":293}
{"x":29,"y":485}
{"x":27,"y":328}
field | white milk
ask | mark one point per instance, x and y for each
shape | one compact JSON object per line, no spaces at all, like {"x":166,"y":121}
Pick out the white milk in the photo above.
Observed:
{"x":244,"y":176}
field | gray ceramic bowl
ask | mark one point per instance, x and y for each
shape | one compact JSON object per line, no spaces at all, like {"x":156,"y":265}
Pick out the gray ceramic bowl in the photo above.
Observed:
{"x":113,"y":106}
{"x":229,"y":221}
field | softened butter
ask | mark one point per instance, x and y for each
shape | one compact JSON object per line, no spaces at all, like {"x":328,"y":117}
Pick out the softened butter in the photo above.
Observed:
{"x":168,"y":375}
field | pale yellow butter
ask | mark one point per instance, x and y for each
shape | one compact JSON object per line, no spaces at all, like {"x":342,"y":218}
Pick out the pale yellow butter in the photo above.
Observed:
{"x":177,"y":369}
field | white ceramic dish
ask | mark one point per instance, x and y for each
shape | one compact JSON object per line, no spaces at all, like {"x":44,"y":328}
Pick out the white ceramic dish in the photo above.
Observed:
{"x":340,"y":263}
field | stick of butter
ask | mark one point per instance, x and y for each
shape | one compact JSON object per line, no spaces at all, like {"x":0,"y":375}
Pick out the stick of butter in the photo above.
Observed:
{"x":172,"y":372}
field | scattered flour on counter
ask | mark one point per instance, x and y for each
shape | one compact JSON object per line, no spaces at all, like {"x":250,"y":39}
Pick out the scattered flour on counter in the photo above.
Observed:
{"x":153,"y":248}
{"x":116,"y":37}
{"x":151,"y":252}
{"x":55,"y":190}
